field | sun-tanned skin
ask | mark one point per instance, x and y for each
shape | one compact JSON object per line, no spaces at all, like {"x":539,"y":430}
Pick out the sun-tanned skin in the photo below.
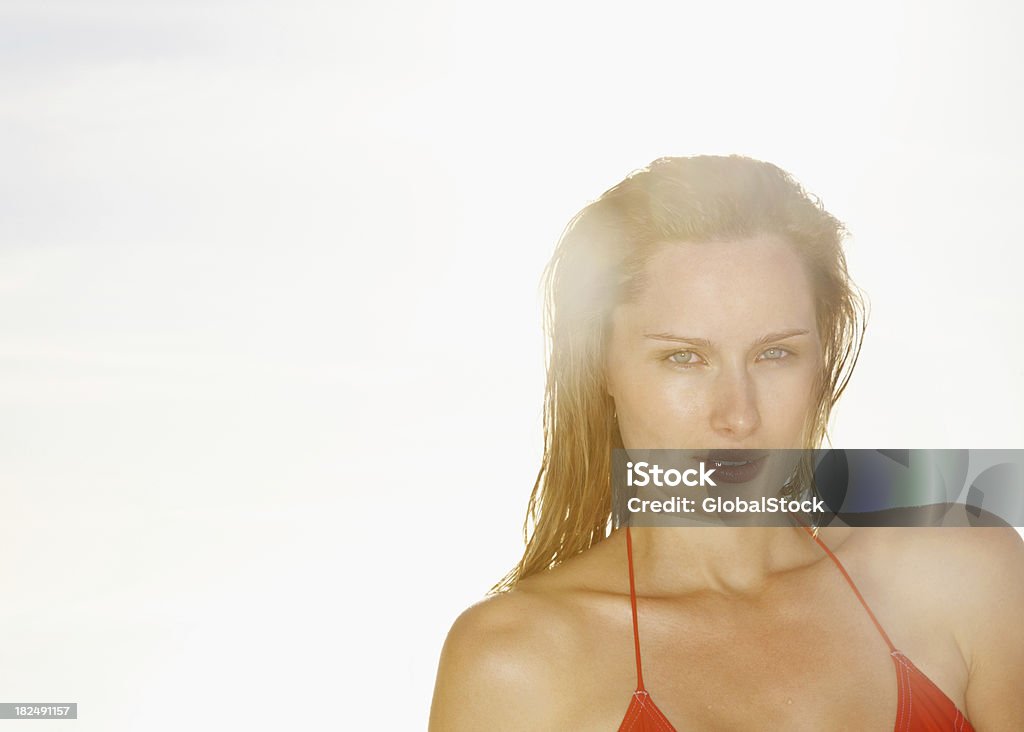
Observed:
{"x":741,"y":628}
{"x":556,"y":652}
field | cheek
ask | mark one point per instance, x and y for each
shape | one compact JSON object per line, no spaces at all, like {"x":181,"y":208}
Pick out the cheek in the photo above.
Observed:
{"x":788,"y":396}
{"x":650,"y":408}
{"x":642,"y":388}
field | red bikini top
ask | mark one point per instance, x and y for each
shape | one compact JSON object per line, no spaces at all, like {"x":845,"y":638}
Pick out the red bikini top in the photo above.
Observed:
{"x":921,"y":705}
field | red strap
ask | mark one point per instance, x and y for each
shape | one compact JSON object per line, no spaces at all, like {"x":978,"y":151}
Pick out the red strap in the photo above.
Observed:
{"x":632,"y":601}
{"x":833,"y":557}
{"x":852,"y":586}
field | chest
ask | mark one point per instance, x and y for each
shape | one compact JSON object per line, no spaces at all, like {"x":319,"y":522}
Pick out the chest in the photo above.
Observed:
{"x":788,"y":661}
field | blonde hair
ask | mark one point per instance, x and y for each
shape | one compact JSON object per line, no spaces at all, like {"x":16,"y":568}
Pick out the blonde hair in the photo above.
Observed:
{"x":599,"y":263}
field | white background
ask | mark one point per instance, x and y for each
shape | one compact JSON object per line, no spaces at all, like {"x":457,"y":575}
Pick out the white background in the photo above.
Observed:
{"x":271,"y":360}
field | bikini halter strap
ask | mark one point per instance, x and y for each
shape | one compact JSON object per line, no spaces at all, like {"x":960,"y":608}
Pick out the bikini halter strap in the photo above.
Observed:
{"x":632,"y":602}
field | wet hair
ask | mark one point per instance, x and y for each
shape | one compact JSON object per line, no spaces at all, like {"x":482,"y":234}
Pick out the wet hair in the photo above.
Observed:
{"x":599,"y":263}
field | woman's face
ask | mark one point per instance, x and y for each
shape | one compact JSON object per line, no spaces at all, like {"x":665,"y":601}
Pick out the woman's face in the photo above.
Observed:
{"x":719,"y":351}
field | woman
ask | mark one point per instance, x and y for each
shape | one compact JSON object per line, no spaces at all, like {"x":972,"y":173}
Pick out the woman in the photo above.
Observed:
{"x":704,"y":303}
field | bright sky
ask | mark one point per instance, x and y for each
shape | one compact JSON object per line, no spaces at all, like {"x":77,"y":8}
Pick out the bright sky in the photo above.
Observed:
{"x":270,"y":314}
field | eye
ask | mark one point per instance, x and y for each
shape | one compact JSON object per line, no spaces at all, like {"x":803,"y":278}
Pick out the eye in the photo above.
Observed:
{"x":685,"y":358}
{"x":774,"y":354}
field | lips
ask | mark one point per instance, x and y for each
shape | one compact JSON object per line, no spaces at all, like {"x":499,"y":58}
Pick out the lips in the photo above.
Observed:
{"x":734,"y":466}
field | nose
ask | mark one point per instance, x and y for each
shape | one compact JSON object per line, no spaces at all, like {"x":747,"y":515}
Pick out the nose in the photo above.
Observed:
{"x":734,"y":411}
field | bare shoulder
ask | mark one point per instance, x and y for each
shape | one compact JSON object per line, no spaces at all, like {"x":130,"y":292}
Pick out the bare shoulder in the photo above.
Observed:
{"x":971,"y":580}
{"x":974,"y":567}
{"x":494,"y":665}
{"x":508,"y":661}
{"x":978,"y":560}
{"x":989,"y":587}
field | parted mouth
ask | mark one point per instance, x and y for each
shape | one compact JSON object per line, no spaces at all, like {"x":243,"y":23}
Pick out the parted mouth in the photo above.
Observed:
{"x":734,"y":466}
{"x":731,"y":457}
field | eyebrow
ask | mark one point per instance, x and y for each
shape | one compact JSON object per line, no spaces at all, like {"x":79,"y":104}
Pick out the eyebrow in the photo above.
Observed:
{"x":704,"y":342}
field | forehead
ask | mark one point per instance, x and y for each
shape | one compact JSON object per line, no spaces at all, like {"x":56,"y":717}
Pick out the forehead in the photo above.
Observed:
{"x":746,"y":287}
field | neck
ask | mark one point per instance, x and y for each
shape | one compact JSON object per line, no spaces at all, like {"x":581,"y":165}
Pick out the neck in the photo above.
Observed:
{"x":729,"y":560}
